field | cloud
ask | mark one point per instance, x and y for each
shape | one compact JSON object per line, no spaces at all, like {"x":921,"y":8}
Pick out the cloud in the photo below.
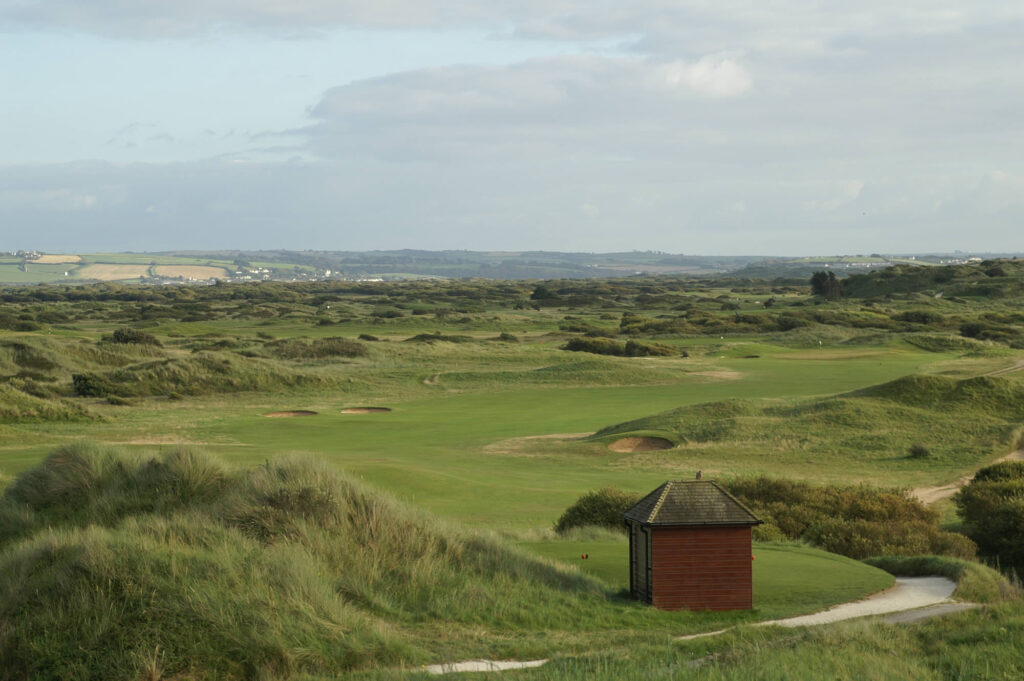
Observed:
{"x":662,"y":22}
{"x":585,"y":105}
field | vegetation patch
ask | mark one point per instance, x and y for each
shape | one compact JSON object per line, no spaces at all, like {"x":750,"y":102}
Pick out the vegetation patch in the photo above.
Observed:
{"x":17,"y":405}
{"x":366,"y":410}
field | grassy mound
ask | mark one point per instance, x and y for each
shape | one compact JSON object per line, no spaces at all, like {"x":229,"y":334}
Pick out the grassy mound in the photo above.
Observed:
{"x":17,"y":406}
{"x":959,"y":422}
{"x":200,"y":374}
{"x":121,"y":567}
{"x":1001,"y":397}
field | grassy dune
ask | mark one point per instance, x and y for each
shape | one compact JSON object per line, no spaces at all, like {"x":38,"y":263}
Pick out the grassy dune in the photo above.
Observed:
{"x":959,"y":423}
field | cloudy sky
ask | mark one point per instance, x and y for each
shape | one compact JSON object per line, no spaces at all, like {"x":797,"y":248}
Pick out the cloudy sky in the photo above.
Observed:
{"x":693,"y":126}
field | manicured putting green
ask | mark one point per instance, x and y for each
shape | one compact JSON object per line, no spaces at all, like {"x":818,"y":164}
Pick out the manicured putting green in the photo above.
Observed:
{"x":788,"y":579}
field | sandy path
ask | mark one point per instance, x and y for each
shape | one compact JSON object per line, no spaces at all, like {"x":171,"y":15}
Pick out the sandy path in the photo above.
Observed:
{"x":481,"y":666}
{"x":1018,"y":366}
{"x":930,"y":495}
{"x":913,"y":598}
{"x":909,"y":593}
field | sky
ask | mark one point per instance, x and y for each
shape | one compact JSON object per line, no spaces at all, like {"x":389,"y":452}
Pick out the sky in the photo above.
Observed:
{"x":789,"y":127}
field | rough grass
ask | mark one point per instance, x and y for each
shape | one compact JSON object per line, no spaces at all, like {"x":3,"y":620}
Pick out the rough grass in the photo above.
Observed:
{"x":112,"y":563}
{"x":18,"y":406}
{"x":961,"y":422}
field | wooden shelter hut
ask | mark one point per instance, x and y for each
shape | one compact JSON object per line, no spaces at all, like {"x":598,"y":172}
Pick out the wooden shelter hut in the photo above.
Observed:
{"x":689,"y":548}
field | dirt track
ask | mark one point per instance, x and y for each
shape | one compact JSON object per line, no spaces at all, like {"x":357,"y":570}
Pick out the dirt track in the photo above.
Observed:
{"x":930,"y":495}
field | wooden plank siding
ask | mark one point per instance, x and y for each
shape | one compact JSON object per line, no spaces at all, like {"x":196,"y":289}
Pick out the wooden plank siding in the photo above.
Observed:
{"x":701,"y":568}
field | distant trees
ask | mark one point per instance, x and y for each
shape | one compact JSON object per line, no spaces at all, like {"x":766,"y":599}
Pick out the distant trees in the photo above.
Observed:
{"x":826,"y":285}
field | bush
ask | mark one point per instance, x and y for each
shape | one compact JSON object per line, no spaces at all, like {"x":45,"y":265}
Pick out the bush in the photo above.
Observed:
{"x":992,"y":507}
{"x":128,"y":335}
{"x":918,"y":451}
{"x":601,"y":508}
{"x":597,"y":346}
{"x":853,"y":521}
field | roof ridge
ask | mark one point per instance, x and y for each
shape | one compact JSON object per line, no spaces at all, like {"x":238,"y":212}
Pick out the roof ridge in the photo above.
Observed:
{"x":661,"y":500}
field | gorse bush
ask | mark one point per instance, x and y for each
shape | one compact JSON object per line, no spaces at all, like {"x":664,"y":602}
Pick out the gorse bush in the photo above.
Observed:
{"x":129,"y":335}
{"x":852,"y":521}
{"x":607,"y":346}
{"x":992,"y":507}
{"x":114,"y":565}
{"x":600,"y":508}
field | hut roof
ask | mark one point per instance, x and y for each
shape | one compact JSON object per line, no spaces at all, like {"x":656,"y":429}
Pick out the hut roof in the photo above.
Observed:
{"x":691,"y":502}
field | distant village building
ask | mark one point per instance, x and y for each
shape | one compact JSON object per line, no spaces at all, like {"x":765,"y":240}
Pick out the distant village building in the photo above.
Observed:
{"x":689,"y":548}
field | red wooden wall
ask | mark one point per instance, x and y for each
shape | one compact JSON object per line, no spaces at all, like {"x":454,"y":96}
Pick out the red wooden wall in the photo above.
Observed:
{"x":702,"y":568}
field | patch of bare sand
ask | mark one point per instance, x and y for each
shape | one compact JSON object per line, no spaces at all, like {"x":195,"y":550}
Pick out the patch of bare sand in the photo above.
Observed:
{"x":641,"y":444}
{"x":931,"y":495}
{"x":289,"y":414}
{"x":719,"y":374}
{"x":517,"y":445}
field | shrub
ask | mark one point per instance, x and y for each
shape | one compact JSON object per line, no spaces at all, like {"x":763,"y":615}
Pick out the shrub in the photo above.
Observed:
{"x":992,"y":507}
{"x":597,"y":346}
{"x":853,"y":521}
{"x":602,"y":508}
{"x":918,"y":451}
{"x":129,"y":335}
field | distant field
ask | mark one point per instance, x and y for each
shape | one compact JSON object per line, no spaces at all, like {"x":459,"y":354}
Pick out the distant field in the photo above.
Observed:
{"x":54,"y":259}
{"x":112,"y":272}
{"x":146,"y":259}
{"x":191,"y":271}
{"x":36,"y":273}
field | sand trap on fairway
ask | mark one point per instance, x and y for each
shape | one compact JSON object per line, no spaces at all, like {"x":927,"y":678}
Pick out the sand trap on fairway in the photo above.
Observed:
{"x":289,"y":414}
{"x":640,"y":444}
{"x":366,"y":410}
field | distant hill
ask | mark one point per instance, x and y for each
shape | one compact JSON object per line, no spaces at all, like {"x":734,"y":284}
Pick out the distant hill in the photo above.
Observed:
{"x":986,"y":278}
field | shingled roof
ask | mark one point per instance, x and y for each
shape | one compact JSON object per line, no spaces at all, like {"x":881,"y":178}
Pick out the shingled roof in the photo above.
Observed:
{"x":691,"y":502}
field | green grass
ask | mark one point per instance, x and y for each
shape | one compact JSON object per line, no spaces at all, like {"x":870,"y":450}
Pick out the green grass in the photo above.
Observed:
{"x":13,"y":274}
{"x":788,"y":578}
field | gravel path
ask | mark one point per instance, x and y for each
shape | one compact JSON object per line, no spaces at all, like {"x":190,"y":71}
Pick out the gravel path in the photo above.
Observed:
{"x":909,"y":593}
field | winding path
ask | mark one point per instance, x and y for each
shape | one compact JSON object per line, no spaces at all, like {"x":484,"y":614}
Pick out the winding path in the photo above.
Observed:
{"x":930,"y":495}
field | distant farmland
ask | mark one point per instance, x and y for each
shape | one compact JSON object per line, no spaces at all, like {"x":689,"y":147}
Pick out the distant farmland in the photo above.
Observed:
{"x":190,"y":271}
{"x":112,"y":272}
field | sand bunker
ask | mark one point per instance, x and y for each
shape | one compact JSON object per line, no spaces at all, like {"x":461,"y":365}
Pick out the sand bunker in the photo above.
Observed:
{"x":366,"y":410}
{"x":289,"y":414}
{"x":640,"y":444}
